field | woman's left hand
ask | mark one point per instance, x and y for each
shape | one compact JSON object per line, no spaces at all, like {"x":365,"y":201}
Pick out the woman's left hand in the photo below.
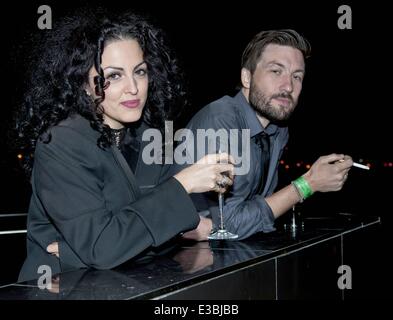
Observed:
{"x":201,"y":232}
{"x":53,"y":248}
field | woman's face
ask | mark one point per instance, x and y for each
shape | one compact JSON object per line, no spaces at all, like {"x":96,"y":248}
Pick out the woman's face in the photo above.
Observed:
{"x":125,"y":69}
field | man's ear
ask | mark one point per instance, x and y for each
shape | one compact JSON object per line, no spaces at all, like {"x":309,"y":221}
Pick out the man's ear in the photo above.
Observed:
{"x":246,"y":78}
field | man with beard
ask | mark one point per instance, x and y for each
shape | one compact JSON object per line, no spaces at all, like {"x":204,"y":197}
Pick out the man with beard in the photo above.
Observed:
{"x":273,"y":68}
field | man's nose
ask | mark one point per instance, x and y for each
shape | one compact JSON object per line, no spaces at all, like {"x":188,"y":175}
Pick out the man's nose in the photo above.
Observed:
{"x":286,"y":84}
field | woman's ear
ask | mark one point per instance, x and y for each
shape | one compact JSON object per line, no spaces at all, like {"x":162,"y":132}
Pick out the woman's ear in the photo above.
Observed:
{"x":88,"y":90}
{"x":245,"y":78}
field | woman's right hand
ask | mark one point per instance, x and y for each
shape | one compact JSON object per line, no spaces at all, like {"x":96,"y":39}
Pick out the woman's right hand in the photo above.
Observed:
{"x":206,"y":174}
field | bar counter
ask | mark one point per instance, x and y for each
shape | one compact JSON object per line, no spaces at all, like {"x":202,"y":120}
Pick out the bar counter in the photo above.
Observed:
{"x":301,"y":263}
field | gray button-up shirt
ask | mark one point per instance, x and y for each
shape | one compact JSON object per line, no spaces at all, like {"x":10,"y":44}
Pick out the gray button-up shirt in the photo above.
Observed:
{"x":245,"y":211}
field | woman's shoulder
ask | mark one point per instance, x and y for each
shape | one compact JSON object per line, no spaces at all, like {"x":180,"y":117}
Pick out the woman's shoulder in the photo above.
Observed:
{"x":78,"y":124}
{"x":74,"y":126}
{"x":72,"y":141}
{"x":74,"y":132}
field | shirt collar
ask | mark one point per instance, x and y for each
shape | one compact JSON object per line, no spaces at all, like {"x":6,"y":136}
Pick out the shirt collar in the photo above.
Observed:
{"x":251,"y":117}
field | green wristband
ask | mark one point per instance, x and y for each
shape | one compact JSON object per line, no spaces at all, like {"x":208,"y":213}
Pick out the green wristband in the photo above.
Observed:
{"x":303,"y":188}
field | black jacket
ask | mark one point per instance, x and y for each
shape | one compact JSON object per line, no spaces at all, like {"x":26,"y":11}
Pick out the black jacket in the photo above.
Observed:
{"x":89,"y":201}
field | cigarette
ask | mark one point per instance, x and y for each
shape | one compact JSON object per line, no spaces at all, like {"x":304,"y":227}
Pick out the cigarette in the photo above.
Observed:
{"x":357,"y":165}
{"x":361,"y":166}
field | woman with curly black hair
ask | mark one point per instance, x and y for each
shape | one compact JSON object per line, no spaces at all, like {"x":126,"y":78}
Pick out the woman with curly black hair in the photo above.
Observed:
{"x":96,"y":85}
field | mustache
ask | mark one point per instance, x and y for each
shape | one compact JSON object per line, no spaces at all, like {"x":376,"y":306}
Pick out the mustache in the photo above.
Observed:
{"x":284,"y":95}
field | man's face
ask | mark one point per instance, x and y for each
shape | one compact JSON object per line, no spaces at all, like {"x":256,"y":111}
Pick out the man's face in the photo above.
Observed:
{"x":276,"y":83}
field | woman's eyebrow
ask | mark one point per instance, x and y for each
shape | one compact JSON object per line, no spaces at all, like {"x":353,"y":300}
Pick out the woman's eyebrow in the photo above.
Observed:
{"x":122,"y":69}
{"x":139,"y":64}
{"x":116,"y":68}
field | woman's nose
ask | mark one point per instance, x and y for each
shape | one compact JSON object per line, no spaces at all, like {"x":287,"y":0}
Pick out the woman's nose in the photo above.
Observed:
{"x":132,"y":86}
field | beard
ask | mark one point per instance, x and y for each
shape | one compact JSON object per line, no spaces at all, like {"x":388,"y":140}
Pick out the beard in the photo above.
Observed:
{"x":261,"y":103}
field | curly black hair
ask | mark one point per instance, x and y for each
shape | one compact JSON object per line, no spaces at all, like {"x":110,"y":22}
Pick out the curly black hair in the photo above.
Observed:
{"x":59,"y":71}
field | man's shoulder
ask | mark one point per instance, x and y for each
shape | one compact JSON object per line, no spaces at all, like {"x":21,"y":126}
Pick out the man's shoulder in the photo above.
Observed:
{"x":225,"y":104}
{"x":221,"y":111}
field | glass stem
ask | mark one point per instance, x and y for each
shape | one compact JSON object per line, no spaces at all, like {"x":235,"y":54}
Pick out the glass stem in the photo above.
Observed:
{"x":221,"y":208}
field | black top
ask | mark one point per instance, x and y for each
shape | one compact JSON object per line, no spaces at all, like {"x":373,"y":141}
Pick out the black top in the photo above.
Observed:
{"x":126,"y":141}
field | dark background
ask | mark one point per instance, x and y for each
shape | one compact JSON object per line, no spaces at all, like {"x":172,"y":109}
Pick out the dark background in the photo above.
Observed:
{"x":344,"y":107}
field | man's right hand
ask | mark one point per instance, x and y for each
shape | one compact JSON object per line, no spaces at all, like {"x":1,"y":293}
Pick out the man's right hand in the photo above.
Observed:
{"x":329,"y":173}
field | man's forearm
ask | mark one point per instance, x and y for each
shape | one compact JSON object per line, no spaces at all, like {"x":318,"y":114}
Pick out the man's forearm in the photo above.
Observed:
{"x":283,"y":200}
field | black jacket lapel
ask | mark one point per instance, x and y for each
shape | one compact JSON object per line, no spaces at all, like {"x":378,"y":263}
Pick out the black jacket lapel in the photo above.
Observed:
{"x":129,"y":175}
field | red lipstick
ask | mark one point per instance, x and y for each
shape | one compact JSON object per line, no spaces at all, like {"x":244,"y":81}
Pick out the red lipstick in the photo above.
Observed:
{"x":131,"y":103}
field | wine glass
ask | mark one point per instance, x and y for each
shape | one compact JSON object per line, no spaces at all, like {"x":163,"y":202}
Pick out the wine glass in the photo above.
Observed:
{"x":221,"y":233}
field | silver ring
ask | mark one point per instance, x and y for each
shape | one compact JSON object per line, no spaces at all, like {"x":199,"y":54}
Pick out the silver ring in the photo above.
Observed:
{"x":223,"y":182}
{"x":216,"y":187}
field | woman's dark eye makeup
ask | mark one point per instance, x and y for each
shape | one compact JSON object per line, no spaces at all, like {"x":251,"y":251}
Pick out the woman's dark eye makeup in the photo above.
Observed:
{"x":141,"y":71}
{"x":113,"y":76}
